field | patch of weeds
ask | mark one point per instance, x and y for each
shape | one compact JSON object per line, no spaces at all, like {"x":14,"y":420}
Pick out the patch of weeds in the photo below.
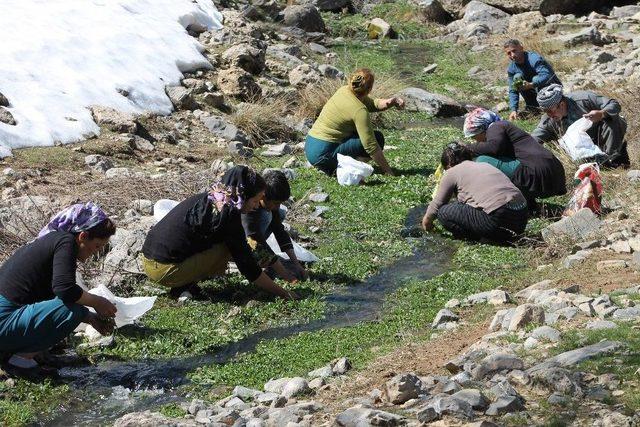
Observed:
{"x":624,"y":364}
{"x":26,"y":400}
{"x":172,"y":410}
{"x":405,"y":18}
{"x":47,"y":158}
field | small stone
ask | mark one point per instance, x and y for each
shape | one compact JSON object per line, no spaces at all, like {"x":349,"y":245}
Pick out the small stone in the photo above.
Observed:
{"x":429,"y":69}
{"x":526,"y":314}
{"x":473,"y":397}
{"x":295,"y":387}
{"x":627,"y":314}
{"x":505,"y":405}
{"x":316,"y":383}
{"x":181,"y":98}
{"x":341,"y":366}
{"x":546,"y":333}
{"x":496,"y":363}
{"x":318,"y":197}
{"x":634,"y":175}
{"x":444,"y":316}
{"x":277,"y":150}
{"x":558,"y":399}
{"x":621,"y":247}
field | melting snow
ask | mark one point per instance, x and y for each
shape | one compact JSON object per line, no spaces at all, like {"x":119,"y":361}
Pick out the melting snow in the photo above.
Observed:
{"x":58,"y":57}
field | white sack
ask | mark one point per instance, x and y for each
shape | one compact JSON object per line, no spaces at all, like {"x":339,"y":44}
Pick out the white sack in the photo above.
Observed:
{"x":129,"y":309}
{"x":351,"y":171}
{"x":162,"y":208}
{"x":577,"y":143}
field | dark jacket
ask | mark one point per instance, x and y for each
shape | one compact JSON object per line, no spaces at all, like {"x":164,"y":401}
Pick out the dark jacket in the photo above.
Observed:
{"x":540,"y":173}
{"x":194,"y":226}
{"x":42,"y":270}
{"x":534,"y":69}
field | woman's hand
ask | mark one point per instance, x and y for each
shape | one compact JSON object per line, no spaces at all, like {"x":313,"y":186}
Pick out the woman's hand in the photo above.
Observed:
{"x":102,"y":325}
{"x":427,"y":223}
{"x":104,"y":307}
{"x":398,"y":102}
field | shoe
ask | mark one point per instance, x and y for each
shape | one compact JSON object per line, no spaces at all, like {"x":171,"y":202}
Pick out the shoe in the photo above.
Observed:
{"x":18,"y":361}
{"x":185,"y":296}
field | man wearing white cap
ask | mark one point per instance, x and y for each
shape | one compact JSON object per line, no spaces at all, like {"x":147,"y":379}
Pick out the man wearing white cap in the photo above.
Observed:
{"x":562,"y":110}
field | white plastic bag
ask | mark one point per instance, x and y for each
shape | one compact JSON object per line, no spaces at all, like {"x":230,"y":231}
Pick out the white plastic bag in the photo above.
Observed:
{"x":162,"y":208}
{"x":129,"y":309}
{"x":351,"y":171}
{"x":577,"y":143}
{"x":301,"y":253}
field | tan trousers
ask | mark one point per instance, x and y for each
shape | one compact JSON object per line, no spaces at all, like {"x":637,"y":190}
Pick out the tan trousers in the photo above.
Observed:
{"x":198,"y":267}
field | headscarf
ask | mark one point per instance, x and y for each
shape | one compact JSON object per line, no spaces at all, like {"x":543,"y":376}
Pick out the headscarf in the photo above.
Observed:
{"x":478,"y":120}
{"x":75,"y":219}
{"x":550,"y":96}
{"x":237,"y":185}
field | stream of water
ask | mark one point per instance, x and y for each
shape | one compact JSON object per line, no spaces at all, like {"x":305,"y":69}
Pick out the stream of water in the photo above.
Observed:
{"x":108,"y":390}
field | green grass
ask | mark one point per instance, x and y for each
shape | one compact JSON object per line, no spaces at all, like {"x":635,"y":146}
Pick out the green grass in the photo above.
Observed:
{"x":624,"y":364}
{"x":24,"y":402}
{"x":404,"y":18}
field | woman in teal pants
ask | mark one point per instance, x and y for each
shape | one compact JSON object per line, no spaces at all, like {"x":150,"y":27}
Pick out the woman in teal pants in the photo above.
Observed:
{"x":40,"y":302}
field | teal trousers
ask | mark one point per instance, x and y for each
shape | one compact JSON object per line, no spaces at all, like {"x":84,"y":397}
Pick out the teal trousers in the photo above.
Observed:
{"x":36,"y":327}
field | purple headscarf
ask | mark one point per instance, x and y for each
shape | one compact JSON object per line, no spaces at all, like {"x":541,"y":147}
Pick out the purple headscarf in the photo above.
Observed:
{"x":478,"y":121}
{"x":236,"y":186}
{"x":75,"y":219}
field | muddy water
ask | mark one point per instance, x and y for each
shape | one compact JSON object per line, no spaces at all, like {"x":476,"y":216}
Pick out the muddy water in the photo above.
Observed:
{"x":109,"y":390}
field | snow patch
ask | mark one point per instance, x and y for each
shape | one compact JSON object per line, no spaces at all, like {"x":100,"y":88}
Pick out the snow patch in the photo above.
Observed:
{"x":59,"y":57}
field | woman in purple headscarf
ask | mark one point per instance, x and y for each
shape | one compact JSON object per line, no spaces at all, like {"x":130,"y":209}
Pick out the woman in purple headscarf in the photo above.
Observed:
{"x":40,"y":301}
{"x":196,"y":239}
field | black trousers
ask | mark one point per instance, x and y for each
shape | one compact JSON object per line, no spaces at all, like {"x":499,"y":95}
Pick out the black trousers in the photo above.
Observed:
{"x":466,"y":222}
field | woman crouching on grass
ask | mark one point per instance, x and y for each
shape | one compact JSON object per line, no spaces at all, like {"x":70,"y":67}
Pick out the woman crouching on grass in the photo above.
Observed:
{"x":344,"y":126}
{"x":40,"y":301}
{"x":198,"y":237}
{"x":489,"y":205}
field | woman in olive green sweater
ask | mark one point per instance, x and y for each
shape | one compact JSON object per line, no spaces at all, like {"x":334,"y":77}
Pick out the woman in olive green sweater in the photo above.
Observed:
{"x":344,"y":126}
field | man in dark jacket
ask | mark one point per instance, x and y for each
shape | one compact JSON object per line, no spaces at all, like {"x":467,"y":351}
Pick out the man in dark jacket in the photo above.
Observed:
{"x":528,"y":72}
{"x":562,"y":110}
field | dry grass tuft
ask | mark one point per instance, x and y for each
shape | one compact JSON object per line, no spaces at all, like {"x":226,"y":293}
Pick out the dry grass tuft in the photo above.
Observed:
{"x":262,"y":120}
{"x":312,"y":98}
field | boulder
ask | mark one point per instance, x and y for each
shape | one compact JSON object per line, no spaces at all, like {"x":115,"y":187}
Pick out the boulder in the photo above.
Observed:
{"x":515,"y":6}
{"x":526,"y":22}
{"x":341,"y":366}
{"x":473,"y":397}
{"x":378,"y":28}
{"x":573,"y":357}
{"x":505,"y":405}
{"x":218,"y":126}
{"x":433,"y":11}
{"x":627,"y":314}
{"x":126,"y":248}
{"x":305,"y":17}
{"x":524,"y":315}
{"x":238,"y":83}
{"x":481,"y":19}
{"x":581,"y":226}
{"x":152,"y":419}
{"x":295,"y":387}
{"x":24,"y":216}
{"x":417,"y":99}
{"x":589,"y":35}
{"x":304,"y":75}
{"x":496,"y":363}
{"x":330,"y":72}
{"x":245,"y":56}
{"x":359,"y":416}
{"x":546,"y":333}
{"x":566,"y":7}
{"x":181,"y":97}
{"x":114,"y":120}
{"x":6,"y":117}
{"x":624,"y":11}
{"x":332,"y":5}
{"x":403,"y":387}
{"x":448,"y":405}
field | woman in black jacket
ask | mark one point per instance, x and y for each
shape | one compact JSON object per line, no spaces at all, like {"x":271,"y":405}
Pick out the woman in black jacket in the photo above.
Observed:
{"x":198,"y":237}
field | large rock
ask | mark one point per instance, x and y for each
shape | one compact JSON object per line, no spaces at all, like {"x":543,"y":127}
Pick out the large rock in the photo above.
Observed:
{"x":565,"y":7}
{"x":515,"y":6}
{"x":505,"y":405}
{"x":238,"y":83}
{"x":360,"y":416}
{"x":295,"y":387}
{"x":526,"y":22}
{"x":589,"y":35}
{"x":181,"y":98}
{"x":582,"y":225}
{"x":25,"y":216}
{"x":6,"y":117}
{"x":433,"y":11}
{"x":473,"y":397}
{"x":152,"y":419}
{"x":573,"y":357}
{"x":417,"y":99}
{"x":447,"y":405}
{"x":526,"y":314}
{"x":127,"y":246}
{"x":478,"y":12}
{"x":304,"y":16}
{"x":218,"y":126}
{"x":378,"y":28}
{"x":245,"y":56}
{"x":332,"y":5}
{"x":496,"y":363}
{"x":114,"y":120}
{"x":624,"y":11}
{"x":403,"y":387}
{"x":304,"y":75}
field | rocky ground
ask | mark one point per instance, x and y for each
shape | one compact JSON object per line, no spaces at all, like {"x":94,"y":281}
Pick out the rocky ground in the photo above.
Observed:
{"x":563,"y":351}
